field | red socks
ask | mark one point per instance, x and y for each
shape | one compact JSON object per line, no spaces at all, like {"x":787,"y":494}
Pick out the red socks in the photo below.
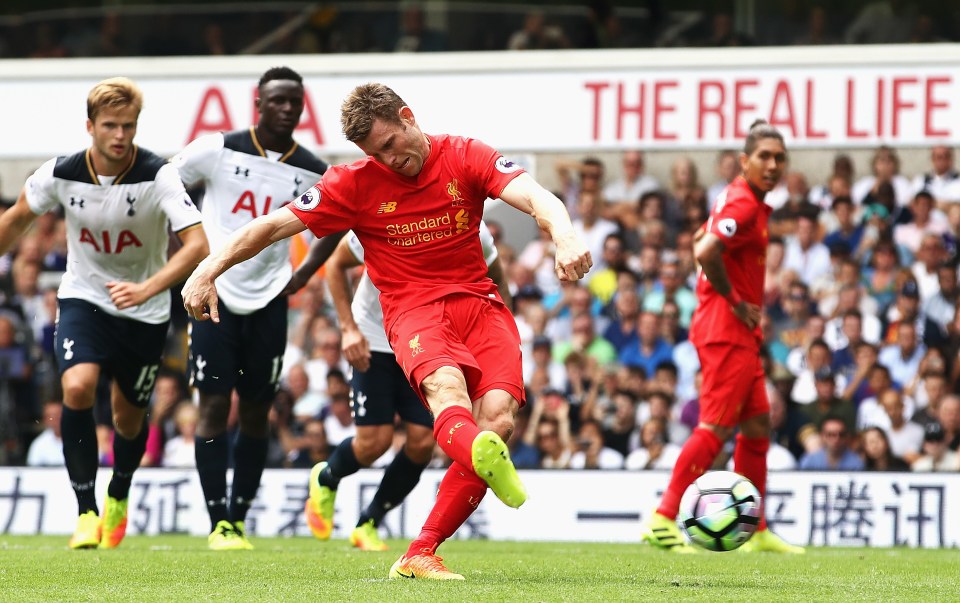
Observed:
{"x":460,"y":493}
{"x":750,"y":461}
{"x":455,"y":430}
{"x":696,"y":457}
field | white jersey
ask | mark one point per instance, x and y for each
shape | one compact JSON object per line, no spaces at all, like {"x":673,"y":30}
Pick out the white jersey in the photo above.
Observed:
{"x":116,"y":226}
{"x":366,"y":308}
{"x":243,"y":182}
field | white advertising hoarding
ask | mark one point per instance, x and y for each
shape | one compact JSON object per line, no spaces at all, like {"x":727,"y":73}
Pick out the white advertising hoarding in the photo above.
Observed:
{"x":841,"y":509}
{"x":541,"y":102}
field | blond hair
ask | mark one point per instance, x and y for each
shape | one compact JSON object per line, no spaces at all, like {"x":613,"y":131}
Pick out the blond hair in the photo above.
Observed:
{"x":365,"y":104}
{"x":114,"y":93}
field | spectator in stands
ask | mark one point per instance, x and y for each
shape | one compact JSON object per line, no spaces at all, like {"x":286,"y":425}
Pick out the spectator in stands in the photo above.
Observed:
{"x":907,"y":310}
{"x":784,"y":219}
{"x":935,"y":390}
{"x":941,"y":306}
{"x":541,"y":371}
{"x":876,"y":452}
{"x":847,"y":231}
{"x":592,"y":228}
{"x":903,"y":357}
{"x":621,"y":332}
{"x":885,"y":170}
{"x":930,"y":253}
{"x":538,"y":257}
{"x":836,"y":454}
{"x":623,"y":193}
{"x":338,"y":419}
{"x":585,"y":340}
{"x":942,"y":182}
{"x":576,"y":176}
{"x":168,"y":393}
{"x":950,"y":420}
{"x":728,"y":168}
{"x":523,"y":455}
{"x":179,"y":451}
{"x":882,"y":22}
{"x":932,"y":363}
{"x":879,"y":279}
{"x":670,"y":329}
{"x":685,"y":187}
{"x":47,"y":43}
{"x":46,"y":450}
{"x":325,"y":355}
{"x":724,"y":33}
{"x":804,"y":254}
{"x":591,"y":452}
{"x":651,"y":349}
{"x":307,"y":402}
{"x":906,"y":438}
{"x":773,"y":278}
{"x":314,"y":447}
{"x":549,"y":429}
{"x":827,"y":403}
{"x":671,"y":288}
{"x":603,"y":284}
{"x":537,"y":34}
{"x":655,"y":451}
{"x":818,"y":29}
{"x":923,"y":220}
{"x":936,"y":456}
{"x":790,"y":329}
{"x":414,"y":34}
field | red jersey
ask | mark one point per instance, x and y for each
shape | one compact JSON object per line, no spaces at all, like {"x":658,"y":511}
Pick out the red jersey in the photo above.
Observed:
{"x":740,"y":220}
{"x":420,"y":235}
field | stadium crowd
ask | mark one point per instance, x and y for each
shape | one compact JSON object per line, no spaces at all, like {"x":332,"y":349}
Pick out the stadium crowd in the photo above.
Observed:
{"x":862,"y":335}
{"x":258,"y":28}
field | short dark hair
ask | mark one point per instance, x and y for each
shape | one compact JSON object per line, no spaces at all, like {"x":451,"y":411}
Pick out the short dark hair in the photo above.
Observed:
{"x":759,"y":130}
{"x":279,"y":73}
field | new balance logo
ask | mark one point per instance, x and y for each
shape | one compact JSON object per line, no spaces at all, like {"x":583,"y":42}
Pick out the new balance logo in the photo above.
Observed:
{"x":76,"y":201}
{"x":68,"y":349}
{"x":387,"y":207}
{"x":239,"y":170}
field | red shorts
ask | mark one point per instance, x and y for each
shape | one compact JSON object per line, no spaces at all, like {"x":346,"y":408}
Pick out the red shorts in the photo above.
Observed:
{"x":476,"y":334}
{"x":734,"y":387}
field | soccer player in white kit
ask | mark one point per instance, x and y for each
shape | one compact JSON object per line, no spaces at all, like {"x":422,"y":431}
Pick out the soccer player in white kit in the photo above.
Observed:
{"x":114,"y":309}
{"x":246,"y":173}
{"x":380,"y":391}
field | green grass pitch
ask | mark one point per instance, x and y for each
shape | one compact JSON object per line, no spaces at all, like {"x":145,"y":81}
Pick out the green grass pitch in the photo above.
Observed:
{"x":180,"y":568}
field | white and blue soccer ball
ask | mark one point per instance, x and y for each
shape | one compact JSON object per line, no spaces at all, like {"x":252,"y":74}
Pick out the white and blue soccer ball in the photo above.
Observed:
{"x":720,"y":510}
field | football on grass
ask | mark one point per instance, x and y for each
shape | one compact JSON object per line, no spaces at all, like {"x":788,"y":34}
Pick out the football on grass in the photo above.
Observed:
{"x":720,"y":510}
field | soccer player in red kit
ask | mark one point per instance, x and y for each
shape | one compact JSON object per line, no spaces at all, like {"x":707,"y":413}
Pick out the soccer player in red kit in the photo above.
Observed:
{"x":731,"y":249}
{"x":415,"y":203}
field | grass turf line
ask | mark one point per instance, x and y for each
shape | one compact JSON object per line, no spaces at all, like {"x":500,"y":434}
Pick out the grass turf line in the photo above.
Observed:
{"x":180,"y":568}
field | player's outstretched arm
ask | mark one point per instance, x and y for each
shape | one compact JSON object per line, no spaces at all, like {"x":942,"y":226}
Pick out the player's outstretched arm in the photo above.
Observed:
{"x":317,"y":256}
{"x":709,"y":253}
{"x":15,"y":221}
{"x":195,"y":247}
{"x":200,"y":293}
{"x":356,"y":348}
{"x":572,"y":256}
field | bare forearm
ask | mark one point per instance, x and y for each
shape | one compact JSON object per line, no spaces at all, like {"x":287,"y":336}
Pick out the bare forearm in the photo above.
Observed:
{"x":180,"y":264}
{"x":716,"y":273}
{"x":342,"y":295}
{"x":253,"y":238}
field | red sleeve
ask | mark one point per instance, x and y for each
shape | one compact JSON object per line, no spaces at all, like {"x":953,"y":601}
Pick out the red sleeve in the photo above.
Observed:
{"x":491,"y":170}
{"x":732,"y":218}
{"x":323,"y":208}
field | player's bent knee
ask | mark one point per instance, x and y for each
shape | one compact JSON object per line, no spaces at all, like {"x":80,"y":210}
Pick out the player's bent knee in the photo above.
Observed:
{"x":446,"y":384}
{"x":369,"y":448}
{"x":126,"y":426}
